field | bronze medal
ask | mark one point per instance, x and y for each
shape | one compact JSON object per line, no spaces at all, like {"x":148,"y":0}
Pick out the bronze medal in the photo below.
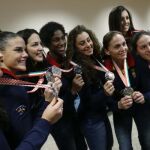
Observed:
{"x":127,"y":91}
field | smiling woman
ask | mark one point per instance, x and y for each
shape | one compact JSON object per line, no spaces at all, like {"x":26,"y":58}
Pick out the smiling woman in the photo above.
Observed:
{"x":36,"y":60}
{"x":84,"y":49}
{"x":17,"y":105}
{"x":120,"y":19}
{"x":16,"y":48}
{"x":129,"y":100}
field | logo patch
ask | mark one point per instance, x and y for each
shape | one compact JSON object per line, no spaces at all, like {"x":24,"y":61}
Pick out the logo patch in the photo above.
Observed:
{"x":21,"y":109}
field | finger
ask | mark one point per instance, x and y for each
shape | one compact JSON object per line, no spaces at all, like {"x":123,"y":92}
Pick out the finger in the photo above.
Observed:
{"x":56,"y":76}
{"x":53,"y":102}
{"x":59,"y":103}
{"x":139,"y":99}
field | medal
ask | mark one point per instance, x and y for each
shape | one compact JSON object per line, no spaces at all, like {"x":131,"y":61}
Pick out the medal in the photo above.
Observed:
{"x":50,"y":75}
{"x":127,"y":91}
{"x":51,"y":72}
{"x":55,"y":71}
{"x":77,"y":69}
{"x":109,"y":76}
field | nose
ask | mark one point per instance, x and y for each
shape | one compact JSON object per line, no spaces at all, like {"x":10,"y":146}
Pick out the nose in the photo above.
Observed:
{"x":62,"y":41}
{"x":125,"y":20}
{"x":1,"y":55}
{"x":148,"y":47}
{"x":40,"y":47}
{"x":124,"y":47}
{"x":88,"y":44}
{"x":25,"y":55}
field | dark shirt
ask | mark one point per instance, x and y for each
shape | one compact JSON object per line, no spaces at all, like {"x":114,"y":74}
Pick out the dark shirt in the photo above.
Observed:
{"x":143,"y":77}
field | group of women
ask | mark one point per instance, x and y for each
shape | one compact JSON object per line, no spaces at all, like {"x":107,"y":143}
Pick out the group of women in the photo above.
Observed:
{"x":114,"y":78}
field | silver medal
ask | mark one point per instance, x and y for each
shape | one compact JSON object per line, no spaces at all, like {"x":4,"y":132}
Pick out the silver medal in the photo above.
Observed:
{"x":109,"y":76}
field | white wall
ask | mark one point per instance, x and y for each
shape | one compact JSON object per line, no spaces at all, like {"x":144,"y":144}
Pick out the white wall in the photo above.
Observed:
{"x":19,"y":14}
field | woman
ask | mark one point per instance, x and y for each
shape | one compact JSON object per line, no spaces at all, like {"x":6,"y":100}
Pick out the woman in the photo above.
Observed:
{"x":36,"y":60}
{"x":23,"y":124}
{"x":141,"y":49}
{"x":36,"y":63}
{"x":53,"y":36}
{"x":120,"y":19}
{"x":129,"y":102}
{"x":84,"y":49}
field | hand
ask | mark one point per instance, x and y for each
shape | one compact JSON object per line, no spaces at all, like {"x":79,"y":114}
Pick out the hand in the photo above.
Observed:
{"x":77,"y":83}
{"x":49,"y":93}
{"x":109,"y":88}
{"x":57,"y":83}
{"x":138,"y":97}
{"x":125,"y":102}
{"x":53,"y":111}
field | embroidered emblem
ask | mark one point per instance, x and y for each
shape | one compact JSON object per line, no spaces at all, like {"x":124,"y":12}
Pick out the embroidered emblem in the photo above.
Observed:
{"x":21,"y":109}
{"x":133,"y":73}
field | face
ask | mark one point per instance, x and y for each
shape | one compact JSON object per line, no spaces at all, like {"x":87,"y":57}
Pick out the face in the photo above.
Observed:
{"x":58,"y":43}
{"x":84,"y":44}
{"x":117,"y":48}
{"x":143,"y":47}
{"x":125,"y":22}
{"x":14,"y":55}
{"x":34,"y":48}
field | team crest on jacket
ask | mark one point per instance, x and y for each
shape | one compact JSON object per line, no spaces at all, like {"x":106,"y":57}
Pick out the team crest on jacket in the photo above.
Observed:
{"x":133,"y":72}
{"x":21,"y":109}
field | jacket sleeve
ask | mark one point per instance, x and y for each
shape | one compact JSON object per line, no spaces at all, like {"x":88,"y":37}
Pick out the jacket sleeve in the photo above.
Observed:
{"x":3,"y":142}
{"x":36,"y":137}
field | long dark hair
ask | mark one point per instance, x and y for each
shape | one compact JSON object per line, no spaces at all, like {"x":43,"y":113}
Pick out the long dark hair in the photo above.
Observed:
{"x":115,"y":19}
{"x":86,"y":62}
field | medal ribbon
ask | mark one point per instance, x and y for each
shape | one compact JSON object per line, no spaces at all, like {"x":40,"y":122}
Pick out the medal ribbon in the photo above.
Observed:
{"x":125,"y":77}
{"x":102,"y":68}
{"x":8,"y":81}
{"x":39,"y":73}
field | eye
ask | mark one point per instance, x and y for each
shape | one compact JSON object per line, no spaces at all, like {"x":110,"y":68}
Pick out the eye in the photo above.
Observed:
{"x":142,"y":47}
{"x":117,"y":46}
{"x":124,"y":44}
{"x":19,"y":49}
{"x":56,"y":39}
{"x":35,"y":44}
{"x":127,"y":17}
{"x":63,"y":37}
{"x":82,"y":43}
{"x":88,"y":39}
